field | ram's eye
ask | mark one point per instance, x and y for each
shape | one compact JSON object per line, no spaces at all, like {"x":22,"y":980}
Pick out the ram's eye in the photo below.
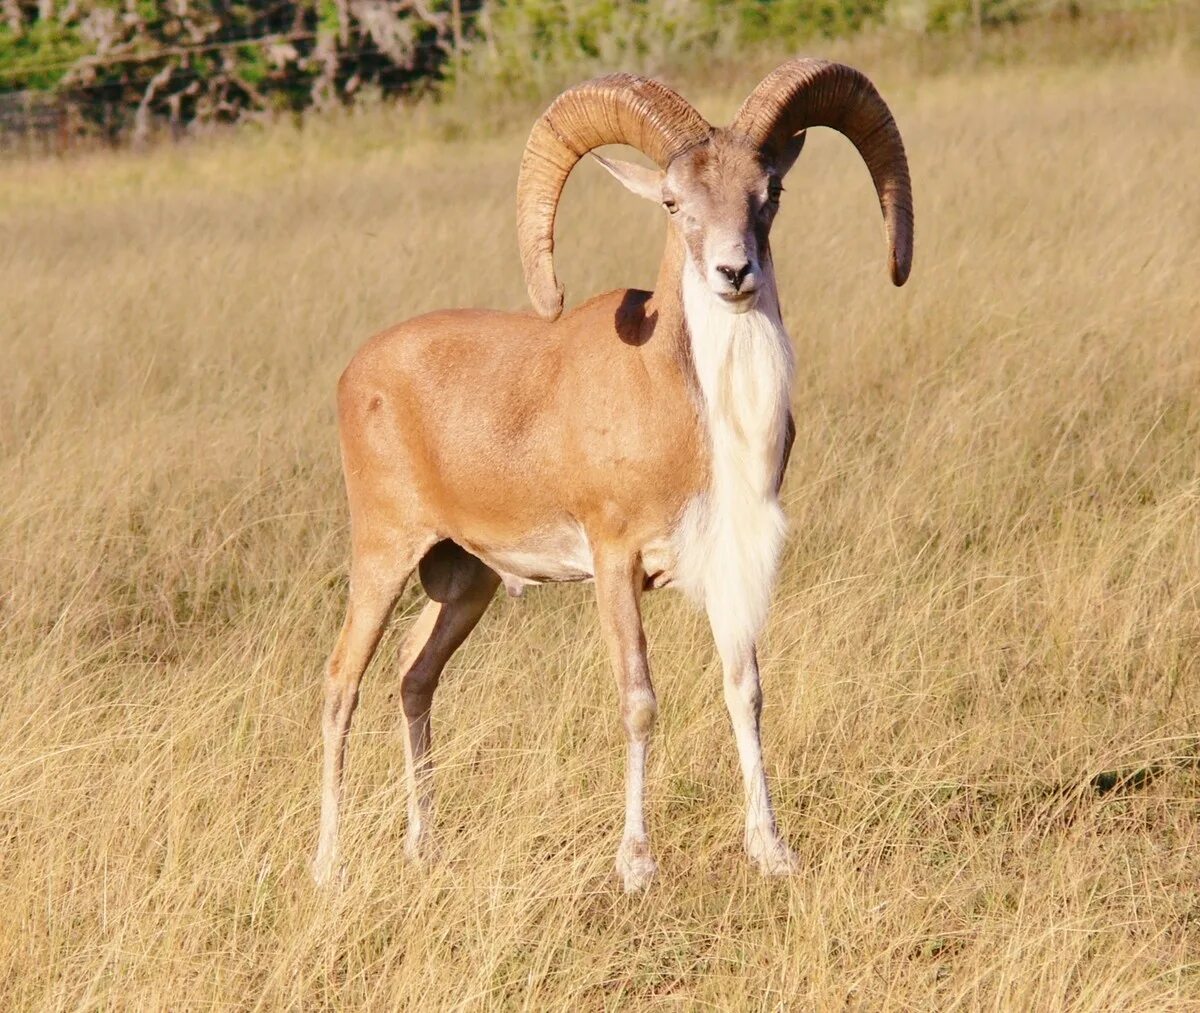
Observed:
{"x":774,"y":192}
{"x":670,"y":205}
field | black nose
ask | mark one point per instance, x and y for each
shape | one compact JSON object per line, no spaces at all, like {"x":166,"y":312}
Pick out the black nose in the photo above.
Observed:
{"x":735,"y":275}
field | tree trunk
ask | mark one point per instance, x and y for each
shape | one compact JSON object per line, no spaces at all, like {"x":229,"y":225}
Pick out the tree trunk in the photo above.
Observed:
{"x":456,"y":26}
{"x":12,"y":15}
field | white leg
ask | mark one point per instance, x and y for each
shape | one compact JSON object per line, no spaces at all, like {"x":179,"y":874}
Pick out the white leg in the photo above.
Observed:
{"x":635,"y":863}
{"x":743,"y":698}
{"x":618,"y":589}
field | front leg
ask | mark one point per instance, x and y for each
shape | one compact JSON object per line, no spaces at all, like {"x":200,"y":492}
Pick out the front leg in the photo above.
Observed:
{"x":743,"y":698}
{"x":619,"y":580}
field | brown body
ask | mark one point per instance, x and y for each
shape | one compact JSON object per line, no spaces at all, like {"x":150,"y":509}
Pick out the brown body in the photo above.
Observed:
{"x":638,"y":440}
{"x":590,"y":420}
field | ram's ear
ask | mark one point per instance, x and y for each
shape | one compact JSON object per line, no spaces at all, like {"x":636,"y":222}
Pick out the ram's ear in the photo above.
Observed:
{"x":639,"y":179}
{"x":786,"y":158}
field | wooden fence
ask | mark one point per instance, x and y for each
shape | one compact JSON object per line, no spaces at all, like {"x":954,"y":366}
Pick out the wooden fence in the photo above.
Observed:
{"x":36,"y":123}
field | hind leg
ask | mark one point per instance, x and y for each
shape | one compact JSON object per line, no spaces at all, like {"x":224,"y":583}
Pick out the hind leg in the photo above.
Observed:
{"x":460,"y":588}
{"x":619,"y":578}
{"x":375,"y":585}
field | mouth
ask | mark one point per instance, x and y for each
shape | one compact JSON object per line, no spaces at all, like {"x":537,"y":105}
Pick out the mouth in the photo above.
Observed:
{"x":739,"y":302}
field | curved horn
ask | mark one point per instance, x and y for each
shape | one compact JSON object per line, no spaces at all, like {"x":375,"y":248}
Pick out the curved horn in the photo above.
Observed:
{"x":617,"y":109}
{"x":815,"y":93}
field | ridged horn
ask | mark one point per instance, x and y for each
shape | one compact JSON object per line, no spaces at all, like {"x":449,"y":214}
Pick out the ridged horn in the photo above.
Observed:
{"x":616,"y":109}
{"x":806,"y":93}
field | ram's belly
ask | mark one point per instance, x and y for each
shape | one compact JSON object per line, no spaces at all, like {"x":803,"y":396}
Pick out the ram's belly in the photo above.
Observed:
{"x":563,"y":554}
{"x":553,"y":555}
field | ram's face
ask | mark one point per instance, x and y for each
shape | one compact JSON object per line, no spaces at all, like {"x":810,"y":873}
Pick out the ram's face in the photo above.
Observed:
{"x":723,"y":197}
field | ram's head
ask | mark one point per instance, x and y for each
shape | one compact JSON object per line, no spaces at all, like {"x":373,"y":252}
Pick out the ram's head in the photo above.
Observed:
{"x":720,"y":186}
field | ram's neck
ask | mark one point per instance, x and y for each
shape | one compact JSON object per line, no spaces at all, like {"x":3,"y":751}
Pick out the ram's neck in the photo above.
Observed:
{"x":670,"y":324}
{"x":716,"y":346}
{"x":731,"y":536}
{"x":743,"y":366}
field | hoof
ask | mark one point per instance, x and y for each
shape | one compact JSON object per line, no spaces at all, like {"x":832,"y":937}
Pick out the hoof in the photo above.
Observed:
{"x":771,"y":855}
{"x":327,"y":872}
{"x":636,"y":865}
{"x":421,"y":849}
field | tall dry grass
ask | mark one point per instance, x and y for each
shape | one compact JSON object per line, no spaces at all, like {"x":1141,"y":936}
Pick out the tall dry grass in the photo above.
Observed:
{"x":989,"y":597}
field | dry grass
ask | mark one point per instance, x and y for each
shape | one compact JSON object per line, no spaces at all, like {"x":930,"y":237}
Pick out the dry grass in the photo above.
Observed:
{"x":990,"y":595}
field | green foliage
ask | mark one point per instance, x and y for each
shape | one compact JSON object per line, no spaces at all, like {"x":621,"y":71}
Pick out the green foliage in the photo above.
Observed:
{"x":252,"y":65}
{"x":953,"y":15}
{"x":524,"y":45}
{"x":327,"y":17}
{"x":39,"y":56}
{"x":957,"y":15}
{"x":129,"y":64}
{"x":126,"y":63}
{"x":788,"y":20}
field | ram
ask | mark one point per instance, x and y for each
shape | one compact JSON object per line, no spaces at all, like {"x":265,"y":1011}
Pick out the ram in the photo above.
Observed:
{"x":638,"y":440}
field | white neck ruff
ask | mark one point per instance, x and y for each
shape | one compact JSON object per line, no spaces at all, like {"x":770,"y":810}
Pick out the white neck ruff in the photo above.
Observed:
{"x":732,"y":535}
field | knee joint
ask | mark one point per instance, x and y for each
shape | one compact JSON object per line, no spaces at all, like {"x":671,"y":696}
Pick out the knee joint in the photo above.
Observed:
{"x":340,"y":701}
{"x":640,"y":712}
{"x":416,"y":694}
{"x":744,"y":692}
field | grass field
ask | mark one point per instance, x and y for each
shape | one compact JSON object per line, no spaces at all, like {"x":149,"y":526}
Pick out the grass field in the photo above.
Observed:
{"x":982,"y":713}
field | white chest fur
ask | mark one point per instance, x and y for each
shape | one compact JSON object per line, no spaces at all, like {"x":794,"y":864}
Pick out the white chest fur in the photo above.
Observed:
{"x":731,"y":536}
